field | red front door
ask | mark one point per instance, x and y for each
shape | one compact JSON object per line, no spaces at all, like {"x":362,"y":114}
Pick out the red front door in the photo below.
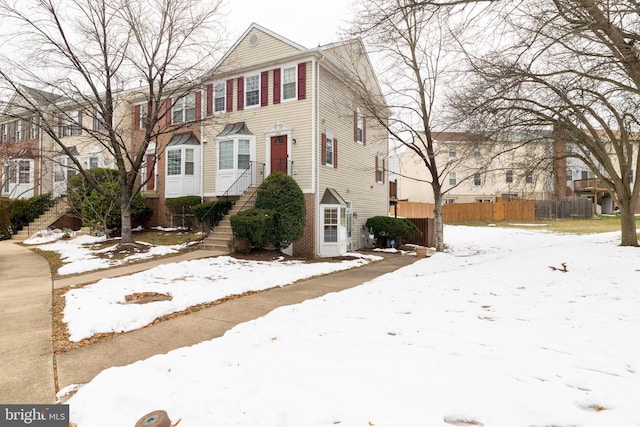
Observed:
{"x":279,"y":157}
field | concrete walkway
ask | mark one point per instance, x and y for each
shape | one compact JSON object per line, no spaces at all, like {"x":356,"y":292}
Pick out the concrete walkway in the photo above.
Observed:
{"x":26,"y":354}
{"x":27,"y":369}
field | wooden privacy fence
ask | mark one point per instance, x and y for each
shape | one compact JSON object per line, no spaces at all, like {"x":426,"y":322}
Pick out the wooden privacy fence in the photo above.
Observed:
{"x":573,"y":207}
{"x":500,"y":210}
{"x":427,"y":235}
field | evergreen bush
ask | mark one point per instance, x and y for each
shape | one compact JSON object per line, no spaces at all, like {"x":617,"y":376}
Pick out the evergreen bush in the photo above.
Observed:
{"x":386,"y":228}
{"x":254,"y":224}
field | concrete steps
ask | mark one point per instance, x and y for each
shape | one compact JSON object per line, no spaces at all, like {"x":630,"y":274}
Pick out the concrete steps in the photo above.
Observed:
{"x":220,"y":238}
{"x":54,"y":213}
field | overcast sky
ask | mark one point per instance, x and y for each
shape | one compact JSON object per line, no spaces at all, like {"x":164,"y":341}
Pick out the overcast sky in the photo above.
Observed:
{"x":306,"y":23}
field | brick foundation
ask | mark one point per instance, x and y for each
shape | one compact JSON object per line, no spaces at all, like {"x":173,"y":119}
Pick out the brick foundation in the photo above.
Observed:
{"x":305,"y":247}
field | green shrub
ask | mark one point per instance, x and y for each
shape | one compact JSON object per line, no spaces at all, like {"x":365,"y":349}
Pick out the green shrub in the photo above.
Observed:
{"x":282,"y":194}
{"x":5,"y":218}
{"x":181,"y":205}
{"x":37,"y":205}
{"x":386,"y":228}
{"x":254,"y":224}
{"x":98,"y":210}
{"x":214,"y":211}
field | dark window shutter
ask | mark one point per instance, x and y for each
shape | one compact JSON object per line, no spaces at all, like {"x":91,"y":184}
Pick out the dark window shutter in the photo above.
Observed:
{"x":136,"y":117}
{"x":324,"y":149}
{"x":335,"y":152}
{"x":355,"y":125}
{"x":276,"y":86}
{"x":364,"y":129}
{"x":198,"y":105}
{"x":168,"y":111}
{"x":229,"y":95}
{"x":209,"y":99}
{"x":376,"y":170}
{"x":383,"y":170}
{"x":302,"y":80}
{"x":240,"y":93}
{"x":264,"y":88}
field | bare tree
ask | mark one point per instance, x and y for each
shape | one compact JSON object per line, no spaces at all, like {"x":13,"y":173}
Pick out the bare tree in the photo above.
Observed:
{"x":92,"y":54}
{"x":570,"y":65}
{"x":411,"y":41}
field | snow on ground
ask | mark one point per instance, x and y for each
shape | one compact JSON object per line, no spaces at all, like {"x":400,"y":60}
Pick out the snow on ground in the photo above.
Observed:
{"x":101,"y":307}
{"x":486,"y":334}
{"x":79,"y":258}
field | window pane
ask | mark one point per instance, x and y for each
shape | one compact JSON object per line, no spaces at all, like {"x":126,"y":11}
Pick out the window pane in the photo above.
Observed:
{"x":289,"y":83}
{"x":476,"y":179}
{"x":509,"y":175}
{"x":24,"y":171}
{"x":329,"y":151}
{"x":331,"y":225}
{"x":219,"y":97}
{"x":225,"y":155}
{"x":188,"y":161}
{"x":452,"y":178}
{"x":173,"y":162}
{"x":252,"y":90}
{"x":244,"y":156}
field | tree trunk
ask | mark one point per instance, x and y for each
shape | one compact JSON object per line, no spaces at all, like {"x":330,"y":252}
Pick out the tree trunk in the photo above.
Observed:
{"x":629,"y":236}
{"x":125,"y":210}
{"x":439,"y":223}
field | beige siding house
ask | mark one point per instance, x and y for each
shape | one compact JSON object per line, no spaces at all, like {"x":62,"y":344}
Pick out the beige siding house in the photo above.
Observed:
{"x":273,"y":105}
{"x":477,"y":170}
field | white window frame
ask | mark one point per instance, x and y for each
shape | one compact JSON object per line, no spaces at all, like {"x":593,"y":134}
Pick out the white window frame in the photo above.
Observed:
{"x":294,"y":83}
{"x":477,"y":179}
{"x":181,"y":112}
{"x":256,"y":78}
{"x":449,"y":200}
{"x":34,"y":130}
{"x":22,"y":170}
{"x":143,"y":116}
{"x":453,"y":152}
{"x":453,"y":179}
{"x":19,"y":130}
{"x":569,"y":175}
{"x":329,"y":149}
{"x":171,"y":171}
{"x":99,"y":123}
{"x":528,"y":177}
{"x":508,"y":176}
{"x":359,"y":125}
{"x":220,"y":88}
{"x":330,"y":224}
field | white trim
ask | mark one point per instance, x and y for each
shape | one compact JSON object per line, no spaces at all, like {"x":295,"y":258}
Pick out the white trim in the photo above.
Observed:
{"x":295,"y":96}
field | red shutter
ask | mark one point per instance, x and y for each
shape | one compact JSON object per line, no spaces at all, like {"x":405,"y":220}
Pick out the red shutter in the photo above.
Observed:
{"x":198,"y":105}
{"x":364,"y":129}
{"x":376,"y":171}
{"x":229,"y":95}
{"x":324,"y":149}
{"x":335,"y":152}
{"x":302,"y":80}
{"x":136,"y":117}
{"x":264,"y":88}
{"x":355,"y":125}
{"x":383,"y":170}
{"x":276,"y":86}
{"x":240,"y":93}
{"x":167,"y":107}
{"x":209,"y":99}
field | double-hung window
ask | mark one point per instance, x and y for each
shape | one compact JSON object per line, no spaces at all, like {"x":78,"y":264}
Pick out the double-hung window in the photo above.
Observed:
{"x":219,"y":97}
{"x":19,"y":131}
{"x":289,"y":82}
{"x":477,"y":179}
{"x":70,"y":124}
{"x":331,"y":224}
{"x":329,"y":150}
{"x":188,"y":161}
{"x":453,"y":179}
{"x":24,"y":172}
{"x":98,"y":120}
{"x":452,"y":152}
{"x":184,"y":109}
{"x":34,"y":131}
{"x":252,"y":90}
{"x":509,"y":176}
{"x":174,"y":162}
{"x":528,"y":177}
{"x":359,"y":125}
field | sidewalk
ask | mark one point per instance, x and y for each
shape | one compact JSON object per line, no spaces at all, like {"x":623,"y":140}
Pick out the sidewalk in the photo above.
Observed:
{"x":81,"y":365}
{"x":26,"y":354}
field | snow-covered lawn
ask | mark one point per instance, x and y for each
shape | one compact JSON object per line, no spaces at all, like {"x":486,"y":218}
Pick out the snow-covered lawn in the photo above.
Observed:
{"x":78,"y":257}
{"x":102,"y":307}
{"x":486,"y":335}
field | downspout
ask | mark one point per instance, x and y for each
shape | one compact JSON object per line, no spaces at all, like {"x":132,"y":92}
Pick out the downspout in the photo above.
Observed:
{"x":203,"y":140}
{"x":316,"y":167}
